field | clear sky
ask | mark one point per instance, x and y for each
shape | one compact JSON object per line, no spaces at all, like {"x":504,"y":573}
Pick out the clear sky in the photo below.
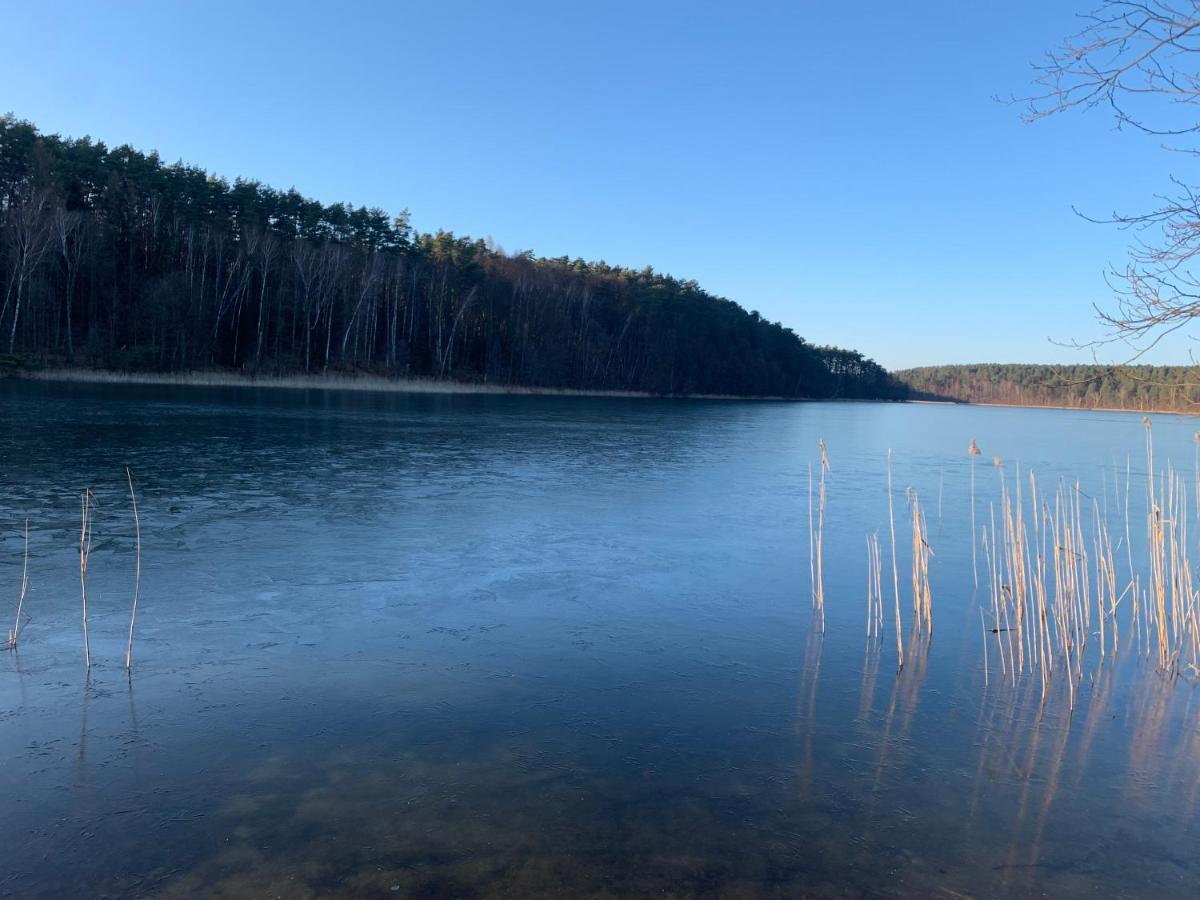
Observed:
{"x":841,"y":168}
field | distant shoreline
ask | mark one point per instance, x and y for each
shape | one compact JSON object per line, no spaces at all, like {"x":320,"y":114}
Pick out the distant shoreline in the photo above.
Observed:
{"x":365,"y":383}
{"x":1109,"y":409}
{"x":1112,"y":409}
{"x":1120,"y":387}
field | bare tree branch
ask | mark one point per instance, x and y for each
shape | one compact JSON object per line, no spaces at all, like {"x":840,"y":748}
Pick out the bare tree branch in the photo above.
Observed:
{"x":1142,"y":61}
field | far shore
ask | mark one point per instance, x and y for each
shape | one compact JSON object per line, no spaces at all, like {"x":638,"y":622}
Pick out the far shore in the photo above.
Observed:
{"x":1106,"y":409}
{"x":342,"y":382}
{"x":1110,"y":409}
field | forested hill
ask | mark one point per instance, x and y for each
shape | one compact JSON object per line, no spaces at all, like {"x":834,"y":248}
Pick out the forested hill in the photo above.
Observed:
{"x":110,"y":258}
{"x":1144,"y":388}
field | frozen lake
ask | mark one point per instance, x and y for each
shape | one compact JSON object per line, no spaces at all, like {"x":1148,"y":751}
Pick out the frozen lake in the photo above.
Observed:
{"x":467,"y":646}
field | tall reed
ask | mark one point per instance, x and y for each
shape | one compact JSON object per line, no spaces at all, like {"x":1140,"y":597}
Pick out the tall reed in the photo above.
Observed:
{"x":812,"y":542}
{"x":972,"y":452}
{"x":137,"y":580}
{"x":15,"y":633}
{"x":819,"y":577}
{"x":874,"y":586}
{"x":85,"y":550}
{"x":895,"y":569}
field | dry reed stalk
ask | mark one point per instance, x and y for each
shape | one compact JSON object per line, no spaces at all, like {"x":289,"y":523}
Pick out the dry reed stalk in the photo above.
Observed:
{"x":983,"y":631}
{"x":990,"y":550}
{"x":1076,"y":572}
{"x":1083,"y":607}
{"x":1043,"y":656}
{"x":972,"y":452}
{"x":1098,"y":560}
{"x":1008,"y":575}
{"x":1173,"y":557}
{"x":922,"y":593}
{"x":1155,"y":537}
{"x":895,"y":569}
{"x":1021,"y":584}
{"x":1133,"y":575}
{"x":85,"y":550}
{"x":1035,"y":586}
{"x":874,"y":587}
{"x":1107,"y":579}
{"x":878,"y":551}
{"x":1016,"y":570}
{"x":819,"y":593}
{"x":870,"y":586}
{"x":914,"y":504}
{"x":137,"y":580}
{"x":1185,"y":590}
{"x":926,"y":553}
{"x":1065,"y":604}
{"x":812,"y":542}
{"x":1080,"y":607}
{"x":15,"y":634}
{"x":1064,"y":578}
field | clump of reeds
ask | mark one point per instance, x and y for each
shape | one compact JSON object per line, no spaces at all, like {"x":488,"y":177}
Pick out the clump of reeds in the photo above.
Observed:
{"x":137,"y":582}
{"x":85,"y":550}
{"x":1052,"y":575}
{"x":1173,"y":608}
{"x":1049,"y":577}
{"x":1029,"y":621}
{"x":14,"y":633}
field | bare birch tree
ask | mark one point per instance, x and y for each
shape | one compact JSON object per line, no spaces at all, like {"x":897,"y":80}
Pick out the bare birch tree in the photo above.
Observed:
{"x":29,"y":235}
{"x":70,"y":238}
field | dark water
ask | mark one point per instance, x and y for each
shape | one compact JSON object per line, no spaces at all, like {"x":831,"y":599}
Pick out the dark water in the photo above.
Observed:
{"x":543,"y":647}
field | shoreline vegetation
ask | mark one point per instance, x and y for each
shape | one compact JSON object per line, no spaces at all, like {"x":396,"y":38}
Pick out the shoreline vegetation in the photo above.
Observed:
{"x":113,"y":259}
{"x":1100,"y":388}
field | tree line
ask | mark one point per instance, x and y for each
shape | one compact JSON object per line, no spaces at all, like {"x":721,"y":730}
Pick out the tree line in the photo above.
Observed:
{"x":1136,"y":387}
{"x":112,"y":259}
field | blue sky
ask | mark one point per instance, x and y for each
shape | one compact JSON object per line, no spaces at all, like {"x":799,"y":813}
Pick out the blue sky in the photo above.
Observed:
{"x":842,"y":168}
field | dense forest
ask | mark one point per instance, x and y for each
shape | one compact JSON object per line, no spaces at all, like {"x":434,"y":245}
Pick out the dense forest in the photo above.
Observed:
{"x":112,"y":259}
{"x":1145,"y":388}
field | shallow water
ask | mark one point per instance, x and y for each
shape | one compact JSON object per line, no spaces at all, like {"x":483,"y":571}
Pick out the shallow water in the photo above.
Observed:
{"x":459,"y":646}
